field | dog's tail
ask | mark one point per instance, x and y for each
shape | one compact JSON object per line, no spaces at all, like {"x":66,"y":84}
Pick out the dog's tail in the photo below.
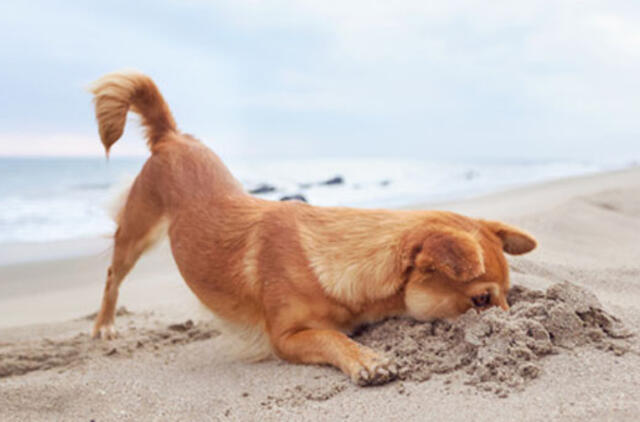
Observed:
{"x":116,"y":92}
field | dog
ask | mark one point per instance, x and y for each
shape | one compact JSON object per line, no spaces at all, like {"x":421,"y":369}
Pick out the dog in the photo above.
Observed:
{"x":305,"y":276}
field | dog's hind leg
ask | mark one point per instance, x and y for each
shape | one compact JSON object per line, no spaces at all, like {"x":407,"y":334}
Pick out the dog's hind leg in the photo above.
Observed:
{"x":140,"y":225}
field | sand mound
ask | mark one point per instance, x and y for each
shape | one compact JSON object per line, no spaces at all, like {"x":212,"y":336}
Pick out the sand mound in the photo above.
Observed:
{"x":499,"y":351}
{"x":22,"y":357}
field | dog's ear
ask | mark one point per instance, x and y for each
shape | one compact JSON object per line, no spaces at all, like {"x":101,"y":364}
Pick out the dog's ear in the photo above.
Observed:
{"x":455,"y":254}
{"x":514,"y":240}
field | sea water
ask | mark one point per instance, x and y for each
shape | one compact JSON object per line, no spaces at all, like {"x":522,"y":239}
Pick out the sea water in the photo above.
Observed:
{"x":45,"y":199}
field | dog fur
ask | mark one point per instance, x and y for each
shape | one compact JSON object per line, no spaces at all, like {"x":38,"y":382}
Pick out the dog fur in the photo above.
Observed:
{"x":304,"y":276}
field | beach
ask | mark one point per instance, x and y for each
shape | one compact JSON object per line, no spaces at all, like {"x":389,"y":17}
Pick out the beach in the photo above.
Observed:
{"x":170,"y":362}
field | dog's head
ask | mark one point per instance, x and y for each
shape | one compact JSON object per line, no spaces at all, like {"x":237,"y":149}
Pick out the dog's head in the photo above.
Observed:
{"x":457,"y":263}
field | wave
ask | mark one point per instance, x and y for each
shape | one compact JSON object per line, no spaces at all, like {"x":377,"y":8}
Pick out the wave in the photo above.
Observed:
{"x":55,"y":206}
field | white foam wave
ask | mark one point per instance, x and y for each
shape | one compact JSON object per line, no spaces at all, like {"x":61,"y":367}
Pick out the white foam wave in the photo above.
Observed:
{"x":63,"y":212}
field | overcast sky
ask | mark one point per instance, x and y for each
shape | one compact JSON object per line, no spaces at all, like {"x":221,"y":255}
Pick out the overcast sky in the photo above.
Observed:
{"x":427,"y":79}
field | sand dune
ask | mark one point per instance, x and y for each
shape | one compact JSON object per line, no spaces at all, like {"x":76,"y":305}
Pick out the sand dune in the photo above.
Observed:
{"x":566,"y":350}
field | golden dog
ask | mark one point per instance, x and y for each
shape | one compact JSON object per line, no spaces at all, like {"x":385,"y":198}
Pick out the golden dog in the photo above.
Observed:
{"x":304,"y":275}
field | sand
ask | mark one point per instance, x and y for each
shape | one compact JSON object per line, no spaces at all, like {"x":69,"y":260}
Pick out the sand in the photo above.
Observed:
{"x":567,"y":349}
{"x":18,"y":358}
{"x":501,"y":351}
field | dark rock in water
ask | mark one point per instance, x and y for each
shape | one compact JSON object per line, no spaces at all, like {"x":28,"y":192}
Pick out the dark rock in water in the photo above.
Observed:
{"x":263,"y":188}
{"x":296,"y":197}
{"x":338,"y":180}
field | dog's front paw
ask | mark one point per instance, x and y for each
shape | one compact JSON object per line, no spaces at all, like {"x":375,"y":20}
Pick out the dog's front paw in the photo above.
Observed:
{"x":105,"y":332}
{"x":373,"y":369}
{"x":379,"y":373}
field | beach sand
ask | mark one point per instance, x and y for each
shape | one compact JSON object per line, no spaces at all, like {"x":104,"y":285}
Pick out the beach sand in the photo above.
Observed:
{"x":567,"y":350}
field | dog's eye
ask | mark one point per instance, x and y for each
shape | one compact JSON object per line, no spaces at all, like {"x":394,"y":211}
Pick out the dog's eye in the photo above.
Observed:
{"x":481,"y":301}
{"x":428,"y":270}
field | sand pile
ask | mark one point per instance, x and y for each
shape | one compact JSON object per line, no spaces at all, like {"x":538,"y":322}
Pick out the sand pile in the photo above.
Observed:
{"x":22,"y":357}
{"x":500,"y":351}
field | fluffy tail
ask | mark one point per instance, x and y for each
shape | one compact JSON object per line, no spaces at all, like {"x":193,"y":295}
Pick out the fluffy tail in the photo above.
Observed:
{"x":116,"y":92}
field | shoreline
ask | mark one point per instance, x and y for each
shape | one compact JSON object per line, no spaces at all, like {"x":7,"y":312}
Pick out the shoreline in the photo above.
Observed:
{"x":21,"y":252}
{"x":59,"y":204}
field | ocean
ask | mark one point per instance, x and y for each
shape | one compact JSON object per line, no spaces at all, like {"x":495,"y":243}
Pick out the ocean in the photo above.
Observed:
{"x":46,"y":199}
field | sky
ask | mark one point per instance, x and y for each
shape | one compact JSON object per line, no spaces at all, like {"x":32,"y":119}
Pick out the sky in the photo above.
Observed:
{"x":524,"y":80}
